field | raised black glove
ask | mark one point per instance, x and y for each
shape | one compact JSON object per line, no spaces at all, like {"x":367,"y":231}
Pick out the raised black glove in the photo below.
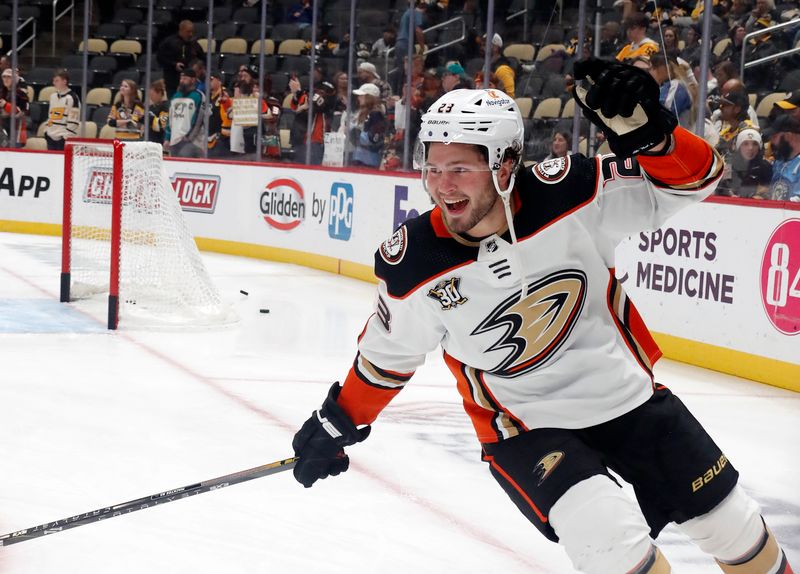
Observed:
{"x":321,"y":440}
{"x":623,"y":101}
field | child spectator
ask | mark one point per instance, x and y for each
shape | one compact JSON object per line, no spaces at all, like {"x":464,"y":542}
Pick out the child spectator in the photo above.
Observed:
{"x":64,"y":113}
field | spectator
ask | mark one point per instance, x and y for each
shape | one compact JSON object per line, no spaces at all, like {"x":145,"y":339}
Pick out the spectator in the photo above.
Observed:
{"x":765,"y":12}
{"x":248,"y":74}
{"x":739,"y":13}
{"x":341,"y":98}
{"x":184,"y":134}
{"x":301,"y":14}
{"x":674,"y":93}
{"x":382,"y":45}
{"x":785,"y":142}
{"x":401,"y":45}
{"x":244,"y":137}
{"x":501,"y":66}
{"x":271,"y":143}
{"x":733,"y":52}
{"x":790,"y":105}
{"x":640,"y":44}
{"x":219,"y":122}
{"x":158,"y":116}
{"x":367,"y":74}
{"x":21,"y":111}
{"x":199,"y":67}
{"x":735,"y":85}
{"x":5,"y":63}
{"x":431,"y":86}
{"x":609,"y":40}
{"x":692,"y":50}
{"x":299,"y":137}
{"x":671,"y":48}
{"x":176,"y":53}
{"x":761,"y":77}
{"x":560,"y":145}
{"x":64,"y":112}
{"x":127,"y":112}
{"x":454,"y":77}
{"x":733,"y":108}
{"x":368,"y":128}
{"x":749,"y":174}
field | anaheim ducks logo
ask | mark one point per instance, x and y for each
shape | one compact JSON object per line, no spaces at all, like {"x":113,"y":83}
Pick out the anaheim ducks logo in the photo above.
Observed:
{"x":546,"y":465}
{"x":536,"y":326}
{"x":552,"y":170}
{"x":393,"y":249}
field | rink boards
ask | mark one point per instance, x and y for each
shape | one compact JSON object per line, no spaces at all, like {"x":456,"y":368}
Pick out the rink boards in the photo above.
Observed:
{"x":720,"y":284}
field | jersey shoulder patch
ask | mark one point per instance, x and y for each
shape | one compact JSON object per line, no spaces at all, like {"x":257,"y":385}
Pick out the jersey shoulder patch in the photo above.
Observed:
{"x":414,"y":255}
{"x":552,"y":171}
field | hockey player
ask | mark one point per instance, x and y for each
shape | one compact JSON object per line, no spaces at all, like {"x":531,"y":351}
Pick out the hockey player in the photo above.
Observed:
{"x":512,"y":273}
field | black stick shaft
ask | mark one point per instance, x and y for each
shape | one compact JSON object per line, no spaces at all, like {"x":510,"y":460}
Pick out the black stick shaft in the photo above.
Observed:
{"x":146,"y":502}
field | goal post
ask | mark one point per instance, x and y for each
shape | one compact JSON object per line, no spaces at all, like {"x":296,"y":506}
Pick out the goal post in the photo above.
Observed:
{"x":124,"y":235}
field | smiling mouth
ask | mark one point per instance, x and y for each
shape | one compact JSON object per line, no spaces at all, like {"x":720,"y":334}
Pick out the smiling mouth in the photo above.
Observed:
{"x":456,"y":206}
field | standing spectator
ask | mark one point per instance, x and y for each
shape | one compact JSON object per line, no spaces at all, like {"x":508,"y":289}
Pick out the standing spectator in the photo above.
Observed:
{"x":368,"y":74}
{"x":501,"y":67}
{"x":401,"y":45}
{"x":382,"y":45}
{"x":20,"y":112}
{"x":64,"y":112}
{"x":219,"y":122}
{"x":271,"y":142}
{"x":640,"y":44}
{"x":199,"y":67}
{"x":127,"y":112}
{"x":300,"y":13}
{"x":299,"y":136}
{"x":176,"y":53}
{"x":368,"y":129}
{"x":750,"y":173}
{"x":158,"y":116}
{"x":785,"y":141}
{"x":560,"y":145}
{"x":184,"y":134}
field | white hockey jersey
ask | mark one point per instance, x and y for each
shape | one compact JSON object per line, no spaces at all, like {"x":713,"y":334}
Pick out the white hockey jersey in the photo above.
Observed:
{"x":569,"y":352}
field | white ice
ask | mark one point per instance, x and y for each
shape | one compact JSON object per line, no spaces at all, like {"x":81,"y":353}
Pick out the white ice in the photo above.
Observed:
{"x":90,"y":418}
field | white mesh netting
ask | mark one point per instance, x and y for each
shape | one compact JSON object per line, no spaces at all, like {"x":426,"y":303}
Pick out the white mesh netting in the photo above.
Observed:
{"x":162,"y":277}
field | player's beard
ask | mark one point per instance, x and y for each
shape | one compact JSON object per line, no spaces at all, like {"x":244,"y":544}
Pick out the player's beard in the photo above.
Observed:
{"x":479,"y":207}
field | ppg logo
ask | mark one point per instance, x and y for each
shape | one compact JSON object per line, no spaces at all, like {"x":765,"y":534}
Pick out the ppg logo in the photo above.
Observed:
{"x":340,"y":218}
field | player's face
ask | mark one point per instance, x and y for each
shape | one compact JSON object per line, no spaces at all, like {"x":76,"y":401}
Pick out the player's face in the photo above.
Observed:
{"x":460,"y":183}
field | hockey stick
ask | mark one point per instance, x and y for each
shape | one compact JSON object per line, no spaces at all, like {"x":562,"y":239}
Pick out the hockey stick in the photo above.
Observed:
{"x":146,"y":502}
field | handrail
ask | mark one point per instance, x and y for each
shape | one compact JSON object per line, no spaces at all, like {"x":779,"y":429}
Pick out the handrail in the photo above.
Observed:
{"x":28,"y":40}
{"x":57,"y":16}
{"x":436,"y":48}
{"x":777,"y":56}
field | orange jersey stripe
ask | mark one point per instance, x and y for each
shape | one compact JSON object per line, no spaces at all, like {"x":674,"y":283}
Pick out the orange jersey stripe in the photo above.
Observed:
{"x":689,"y":162}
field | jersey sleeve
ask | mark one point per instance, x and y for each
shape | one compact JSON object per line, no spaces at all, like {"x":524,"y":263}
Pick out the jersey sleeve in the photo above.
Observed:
{"x":391,"y":347}
{"x":644,"y":192}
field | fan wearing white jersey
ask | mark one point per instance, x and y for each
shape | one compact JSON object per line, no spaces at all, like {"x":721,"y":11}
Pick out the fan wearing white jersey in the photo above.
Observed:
{"x":512,"y":273}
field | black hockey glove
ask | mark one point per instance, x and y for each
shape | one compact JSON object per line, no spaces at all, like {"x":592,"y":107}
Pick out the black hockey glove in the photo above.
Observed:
{"x":623,"y":101}
{"x":321,"y":440}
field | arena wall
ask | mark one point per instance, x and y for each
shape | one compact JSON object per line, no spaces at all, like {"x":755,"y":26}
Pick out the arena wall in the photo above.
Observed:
{"x":719,"y":285}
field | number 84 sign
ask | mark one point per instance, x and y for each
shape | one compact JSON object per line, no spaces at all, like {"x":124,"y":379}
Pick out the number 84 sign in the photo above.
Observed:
{"x":780,"y":277}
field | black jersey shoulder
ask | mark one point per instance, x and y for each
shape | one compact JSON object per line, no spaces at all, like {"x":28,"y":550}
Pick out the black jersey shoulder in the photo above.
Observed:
{"x":550,"y":189}
{"x":415,"y":254}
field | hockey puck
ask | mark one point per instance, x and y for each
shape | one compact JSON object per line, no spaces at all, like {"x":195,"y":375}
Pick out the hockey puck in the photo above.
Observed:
{"x":263,"y":310}
{"x":243,"y":292}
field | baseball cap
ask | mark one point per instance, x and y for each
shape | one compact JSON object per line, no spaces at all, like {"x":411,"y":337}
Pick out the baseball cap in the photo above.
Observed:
{"x":783,"y":123}
{"x":790,"y":103}
{"x":252,"y":69}
{"x":455,"y":68}
{"x":327,"y":87}
{"x":497,"y":40}
{"x":736,"y":98}
{"x":189,"y":72}
{"x":368,"y":89}
{"x":7,"y":73}
{"x":369,"y":67}
{"x":216,"y":74}
{"x":748,"y":134}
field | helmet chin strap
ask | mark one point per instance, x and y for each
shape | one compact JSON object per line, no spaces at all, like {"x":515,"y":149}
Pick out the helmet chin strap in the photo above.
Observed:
{"x":505,"y":196}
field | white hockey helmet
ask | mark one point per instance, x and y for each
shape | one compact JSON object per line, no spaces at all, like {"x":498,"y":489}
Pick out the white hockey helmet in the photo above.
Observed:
{"x":488,"y":118}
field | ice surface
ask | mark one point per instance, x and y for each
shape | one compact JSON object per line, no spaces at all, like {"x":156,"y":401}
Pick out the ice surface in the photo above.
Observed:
{"x":90,"y":418}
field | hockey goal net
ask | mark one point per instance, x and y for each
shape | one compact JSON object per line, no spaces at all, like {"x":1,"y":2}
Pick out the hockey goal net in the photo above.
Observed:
{"x":124,"y":234}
